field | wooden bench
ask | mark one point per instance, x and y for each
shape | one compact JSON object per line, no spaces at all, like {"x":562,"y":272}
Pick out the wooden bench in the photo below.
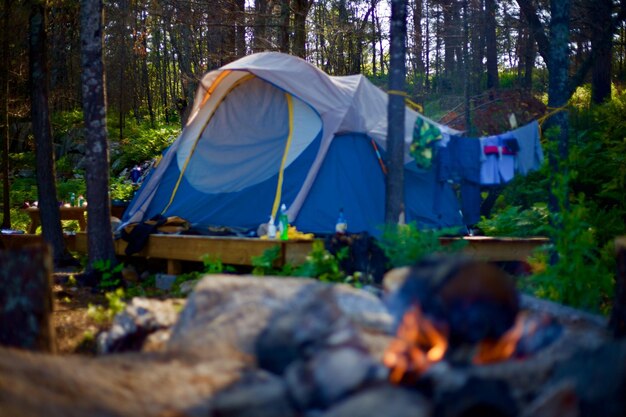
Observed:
{"x":229,"y":250}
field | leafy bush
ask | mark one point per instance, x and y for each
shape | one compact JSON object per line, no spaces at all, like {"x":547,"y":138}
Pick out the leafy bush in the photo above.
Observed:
{"x":109,"y":274}
{"x":319,"y":263}
{"x":515,"y":221}
{"x":582,"y":275}
{"x":142,"y":143}
{"x":406,"y":244}
{"x":121,"y":189}
{"x":115,"y":304}
{"x":322,"y":264}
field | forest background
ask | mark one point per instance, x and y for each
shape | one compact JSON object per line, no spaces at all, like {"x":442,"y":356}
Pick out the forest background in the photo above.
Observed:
{"x":470,"y":63}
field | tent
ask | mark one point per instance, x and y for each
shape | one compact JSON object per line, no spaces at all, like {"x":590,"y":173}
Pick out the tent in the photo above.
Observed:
{"x":271,"y":128}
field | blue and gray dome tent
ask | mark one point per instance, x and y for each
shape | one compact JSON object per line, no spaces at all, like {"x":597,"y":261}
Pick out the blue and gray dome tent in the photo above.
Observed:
{"x":271,"y":128}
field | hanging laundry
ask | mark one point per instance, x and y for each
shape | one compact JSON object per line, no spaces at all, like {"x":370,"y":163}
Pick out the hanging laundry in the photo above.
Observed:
{"x":459,"y":161}
{"x":425,"y":135}
{"x":498,"y":158}
{"x":530,"y":154}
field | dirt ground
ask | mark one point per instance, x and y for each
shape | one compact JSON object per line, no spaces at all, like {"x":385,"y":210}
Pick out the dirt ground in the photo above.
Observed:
{"x":75,"y":331}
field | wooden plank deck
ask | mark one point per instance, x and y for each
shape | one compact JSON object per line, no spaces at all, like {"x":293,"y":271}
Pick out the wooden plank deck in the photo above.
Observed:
{"x":24,"y":240}
{"x":497,"y":249}
{"x":239,"y":251}
{"x":230,"y":250}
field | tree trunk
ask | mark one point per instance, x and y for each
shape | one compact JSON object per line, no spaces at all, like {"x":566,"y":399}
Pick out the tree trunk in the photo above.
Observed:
{"x":602,"y":46}
{"x":418,"y":49}
{"x":529,"y":61}
{"x":260,"y":26}
{"x":240,"y":27}
{"x":283,"y":34}
{"x":99,"y":236}
{"x":26,"y":299}
{"x":300,"y":11}
{"x":492,"y":46}
{"x":144,"y":71}
{"x":4,"y":86}
{"x":558,"y":81}
{"x":40,"y":114}
{"x":374,"y":33}
{"x":182,"y":46}
{"x":395,"y":130}
{"x":466,"y":70}
{"x":536,"y":28}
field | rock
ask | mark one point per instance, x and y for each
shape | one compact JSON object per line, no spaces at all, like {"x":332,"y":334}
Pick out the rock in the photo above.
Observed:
{"x":187,"y":287}
{"x":256,"y":394}
{"x":330,"y":376}
{"x":123,"y":385}
{"x":229,"y":312}
{"x":599,"y":379}
{"x":139,"y":319}
{"x":165,"y":282}
{"x":383,"y":400}
{"x":560,"y":400}
{"x":225,"y":313}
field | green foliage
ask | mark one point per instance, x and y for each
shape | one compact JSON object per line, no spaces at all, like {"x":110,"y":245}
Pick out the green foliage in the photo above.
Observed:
{"x":19,"y":219}
{"x":115,"y":304}
{"x":582,"y":275}
{"x":518,"y":222}
{"x":323,"y":265}
{"x":65,"y":188}
{"x":22,"y":160}
{"x":141,"y":143}
{"x":263,"y":264}
{"x":214,"y":265}
{"x":320,"y":264}
{"x":120,"y":189}
{"x":211,"y":265}
{"x":109,"y":273}
{"x":406,"y":244}
{"x":23,"y":189}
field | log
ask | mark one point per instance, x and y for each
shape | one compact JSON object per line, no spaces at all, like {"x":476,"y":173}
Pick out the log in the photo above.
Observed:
{"x":26,"y":298}
{"x":617,"y":322}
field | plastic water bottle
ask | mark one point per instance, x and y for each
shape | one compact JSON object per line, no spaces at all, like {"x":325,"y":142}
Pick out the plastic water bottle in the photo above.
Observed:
{"x":271,"y":228}
{"x":283,"y":223}
{"x":342,"y":223}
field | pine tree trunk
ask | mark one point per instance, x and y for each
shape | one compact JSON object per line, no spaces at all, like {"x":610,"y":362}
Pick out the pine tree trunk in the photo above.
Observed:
{"x":260,"y":26}
{"x":602,"y":46}
{"x":492,"y":45}
{"x":283,"y":34}
{"x":99,"y":236}
{"x":240,"y":20}
{"x":396,"y":109}
{"x":26,"y":299}
{"x":4,"y":86}
{"x":40,"y":113}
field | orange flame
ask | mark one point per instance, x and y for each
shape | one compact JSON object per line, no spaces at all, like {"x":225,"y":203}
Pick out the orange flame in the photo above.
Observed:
{"x":418,"y":345}
{"x":490,"y":351}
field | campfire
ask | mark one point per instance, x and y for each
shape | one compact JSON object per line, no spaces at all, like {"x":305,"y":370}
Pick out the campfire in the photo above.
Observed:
{"x":462,"y":311}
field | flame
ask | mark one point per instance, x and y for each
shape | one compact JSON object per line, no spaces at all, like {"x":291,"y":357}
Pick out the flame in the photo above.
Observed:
{"x":490,"y":351}
{"x":418,"y":345}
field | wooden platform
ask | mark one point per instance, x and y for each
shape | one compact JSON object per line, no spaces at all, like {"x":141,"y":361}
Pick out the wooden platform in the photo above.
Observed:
{"x":230,"y":250}
{"x":239,"y":251}
{"x":24,"y":240}
{"x":498,"y":249}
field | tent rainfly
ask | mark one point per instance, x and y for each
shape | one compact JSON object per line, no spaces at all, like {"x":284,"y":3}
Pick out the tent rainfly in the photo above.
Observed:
{"x":271,"y":128}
